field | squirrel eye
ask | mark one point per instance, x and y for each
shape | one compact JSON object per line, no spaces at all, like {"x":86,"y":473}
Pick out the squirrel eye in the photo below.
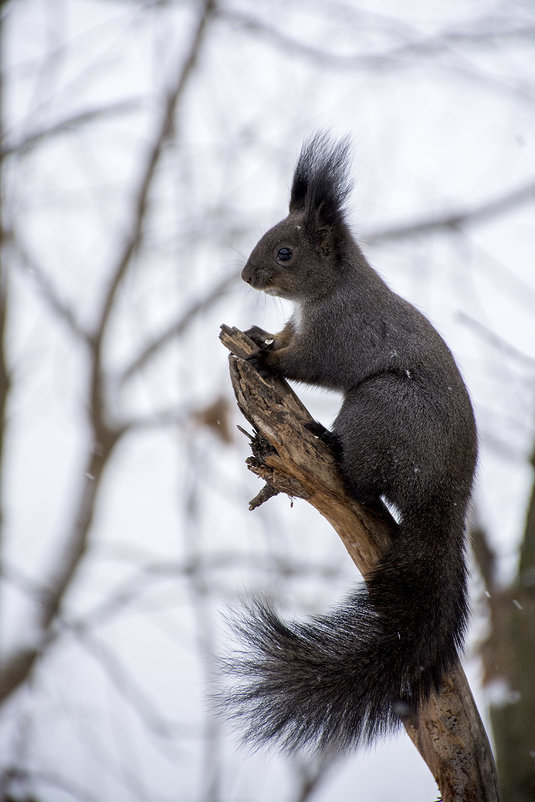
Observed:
{"x":284,"y":254}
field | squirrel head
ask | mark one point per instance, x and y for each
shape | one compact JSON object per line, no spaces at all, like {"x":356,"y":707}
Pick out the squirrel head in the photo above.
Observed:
{"x":303,"y":256}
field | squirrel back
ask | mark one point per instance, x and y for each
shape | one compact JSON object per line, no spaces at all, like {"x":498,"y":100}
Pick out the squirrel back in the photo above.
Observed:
{"x":405,"y":433}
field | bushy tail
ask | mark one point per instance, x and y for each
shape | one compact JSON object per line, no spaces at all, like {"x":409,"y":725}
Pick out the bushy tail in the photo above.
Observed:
{"x":350,"y":676}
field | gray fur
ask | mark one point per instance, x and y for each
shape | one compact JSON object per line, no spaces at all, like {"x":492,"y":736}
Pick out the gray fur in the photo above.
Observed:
{"x":405,"y":432}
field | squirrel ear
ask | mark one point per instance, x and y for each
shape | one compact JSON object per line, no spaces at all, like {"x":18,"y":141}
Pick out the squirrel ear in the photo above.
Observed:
{"x":321,"y":225}
{"x":302,"y":184}
{"x":298,"y":193}
{"x":321,"y":185}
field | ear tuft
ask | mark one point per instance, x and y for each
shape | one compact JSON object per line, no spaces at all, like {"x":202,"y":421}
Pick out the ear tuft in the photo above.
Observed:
{"x":321,"y":182}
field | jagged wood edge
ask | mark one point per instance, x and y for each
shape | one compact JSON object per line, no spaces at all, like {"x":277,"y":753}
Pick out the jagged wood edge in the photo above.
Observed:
{"x":448,"y":732}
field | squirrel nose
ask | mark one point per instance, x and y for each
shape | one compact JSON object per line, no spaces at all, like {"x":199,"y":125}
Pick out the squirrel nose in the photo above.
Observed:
{"x":247,"y":273}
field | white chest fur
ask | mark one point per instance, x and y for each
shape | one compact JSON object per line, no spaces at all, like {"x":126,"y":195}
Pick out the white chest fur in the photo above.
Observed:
{"x":297,"y":318}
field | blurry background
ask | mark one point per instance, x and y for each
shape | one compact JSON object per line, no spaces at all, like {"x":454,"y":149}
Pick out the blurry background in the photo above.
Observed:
{"x":146,"y":145}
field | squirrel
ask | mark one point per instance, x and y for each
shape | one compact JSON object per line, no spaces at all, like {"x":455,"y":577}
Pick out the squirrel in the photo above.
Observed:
{"x":405,"y":434}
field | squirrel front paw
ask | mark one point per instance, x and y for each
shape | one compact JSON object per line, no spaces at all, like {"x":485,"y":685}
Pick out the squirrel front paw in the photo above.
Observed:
{"x":260,"y":337}
{"x":260,"y":362}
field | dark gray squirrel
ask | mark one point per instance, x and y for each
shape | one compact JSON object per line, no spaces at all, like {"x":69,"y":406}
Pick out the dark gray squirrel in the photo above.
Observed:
{"x":405,"y":433}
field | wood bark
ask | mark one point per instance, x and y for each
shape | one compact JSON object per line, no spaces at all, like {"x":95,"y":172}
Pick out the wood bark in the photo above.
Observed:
{"x":448,"y":731}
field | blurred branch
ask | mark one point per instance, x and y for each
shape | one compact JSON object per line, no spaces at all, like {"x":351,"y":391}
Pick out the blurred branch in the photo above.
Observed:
{"x":484,"y":33}
{"x":17,"y":667}
{"x":313,"y":774}
{"x":485,"y":557}
{"x":48,"y":291}
{"x":448,"y":731}
{"x":418,"y":45}
{"x":526,"y":567}
{"x":200,"y":589}
{"x":126,"y":685}
{"x":496,"y":341}
{"x":155,"y":420}
{"x":132,"y":589}
{"x":31,"y":777}
{"x":5,"y":377}
{"x":141,"y":195}
{"x":105,"y":439}
{"x":508,"y":655}
{"x":31,"y":141}
{"x":176,"y":328}
{"x":452,"y":221}
{"x":5,"y":373}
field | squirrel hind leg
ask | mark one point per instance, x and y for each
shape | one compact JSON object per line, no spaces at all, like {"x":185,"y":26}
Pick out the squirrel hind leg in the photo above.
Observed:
{"x":362,"y":482}
{"x":326,"y":436}
{"x":364,"y":492}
